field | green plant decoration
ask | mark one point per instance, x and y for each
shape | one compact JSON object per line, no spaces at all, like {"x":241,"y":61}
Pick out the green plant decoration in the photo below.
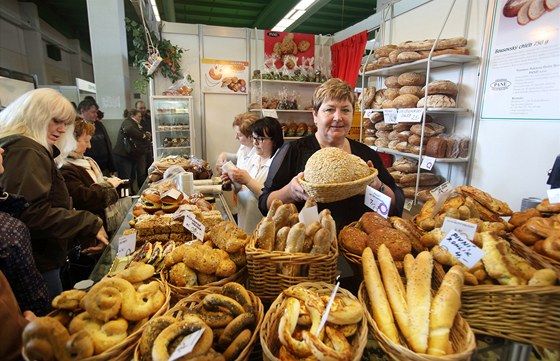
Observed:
{"x":170,"y":66}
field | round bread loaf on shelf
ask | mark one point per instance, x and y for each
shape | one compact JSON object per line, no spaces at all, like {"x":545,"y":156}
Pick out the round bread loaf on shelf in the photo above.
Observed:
{"x":446,"y":87}
{"x":405,"y":101}
{"x":383,"y":51}
{"x":392,"y":82}
{"x":412,"y":89}
{"x":408,"y":56}
{"x":437,"y":101}
{"x":384,"y":126}
{"x":412,"y":78}
{"x":391,"y":93}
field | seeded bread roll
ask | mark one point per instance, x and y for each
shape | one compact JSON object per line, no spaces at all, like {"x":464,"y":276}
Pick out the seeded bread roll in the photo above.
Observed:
{"x":333,"y":165}
{"x":398,"y":244}
{"x":418,"y":79}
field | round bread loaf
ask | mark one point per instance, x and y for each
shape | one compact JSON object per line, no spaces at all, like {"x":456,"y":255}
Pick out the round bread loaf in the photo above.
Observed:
{"x":376,"y":117}
{"x":437,"y":101}
{"x":371,"y":221}
{"x":405,"y":165}
{"x":384,"y":51}
{"x":446,"y":87}
{"x":407,"y":56}
{"x":370,"y":140}
{"x":398,"y":244}
{"x":391,"y":93}
{"x":384,"y":126}
{"x":392,"y":82}
{"x":393,"y":56}
{"x":387,"y":104}
{"x":381,"y":142}
{"x":382,"y":134}
{"x":412,"y":89}
{"x":418,"y":79}
{"x":405,"y":101}
{"x":353,"y":239}
{"x":333,"y":165}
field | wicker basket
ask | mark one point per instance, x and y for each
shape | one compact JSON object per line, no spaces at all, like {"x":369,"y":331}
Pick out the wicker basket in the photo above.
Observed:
{"x":269,"y":328}
{"x":195,"y":298}
{"x":532,"y":256}
{"x":529,"y":314}
{"x":267,"y":282}
{"x":326,"y":193}
{"x":125,"y":350}
{"x":177,"y":293}
{"x":462,"y":338}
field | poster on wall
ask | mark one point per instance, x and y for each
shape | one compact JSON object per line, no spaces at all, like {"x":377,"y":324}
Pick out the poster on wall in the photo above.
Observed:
{"x":224,"y":76}
{"x":523,"y":73}
{"x":288,"y":48}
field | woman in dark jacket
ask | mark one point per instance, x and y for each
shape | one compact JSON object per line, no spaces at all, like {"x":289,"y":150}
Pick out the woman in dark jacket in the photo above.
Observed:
{"x":32,"y":129}
{"x":125,"y":158}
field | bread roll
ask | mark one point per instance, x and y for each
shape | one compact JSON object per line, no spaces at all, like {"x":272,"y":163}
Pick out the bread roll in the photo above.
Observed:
{"x":403,"y":147}
{"x":417,"y":79}
{"x":281,"y":238}
{"x":511,"y":8}
{"x":393,"y":56}
{"x":436,"y":147}
{"x":321,"y":242}
{"x":446,"y":87}
{"x":407,"y":56}
{"x":379,"y":304}
{"x":437,"y":101}
{"x":394,"y":240}
{"x":430,"y":129}
{"x":392,"y":82}
{"x":384,"y":61}
{"x":384,"y":126}
{"x":376,"y":117}
{"x":414,"y":139}
{"x":294,"y":244}
{"x":387,"y":104}
{"x":418,"y":293}
{"x":445,"y":305}
{"x":405,"y":101}
{"x":353,"y":239}
{"x":412,"y":89}
{"x":383,"y":51}
{"x":394,"y":289}
{"x":371,"y":221}
{"x":391,"y":93}
{"x":399,"y":127}
{"x":382,"y":142}
{"x":405,"y":165}
{"x":518,"y":218}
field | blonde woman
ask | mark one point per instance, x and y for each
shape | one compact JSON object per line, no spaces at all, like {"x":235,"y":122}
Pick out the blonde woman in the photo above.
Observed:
{"x":32,"y":130}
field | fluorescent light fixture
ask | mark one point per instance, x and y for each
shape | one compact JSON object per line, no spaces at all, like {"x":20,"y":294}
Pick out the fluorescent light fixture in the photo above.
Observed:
{"x":155,"y":10}
{"x":295,"y":13}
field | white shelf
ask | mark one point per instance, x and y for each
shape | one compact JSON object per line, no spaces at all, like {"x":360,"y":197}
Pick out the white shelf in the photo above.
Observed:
{"x":174,"y":147}
{"x":283,"y":110}
{"x":287,"y":82}
{"x":416,"y":156}
{"x":432,"y":110}
{"x":184,"y":128}
{"x":421,"y":65}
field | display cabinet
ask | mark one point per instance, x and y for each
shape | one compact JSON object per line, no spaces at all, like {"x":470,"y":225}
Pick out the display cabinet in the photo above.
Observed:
{"x":289,"y":101}
{"x":172,"y":127}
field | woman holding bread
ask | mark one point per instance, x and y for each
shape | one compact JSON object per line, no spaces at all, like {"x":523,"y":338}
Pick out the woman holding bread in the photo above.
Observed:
{"x":32,"y":129}
{"x":267,"y":138}
{"x":89,"y":189}
{"x":333,"y":110}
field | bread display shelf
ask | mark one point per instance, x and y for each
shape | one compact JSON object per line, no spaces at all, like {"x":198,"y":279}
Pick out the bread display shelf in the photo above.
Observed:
{"x":291,"y":82}
{"x":416,"y":156}
{"x":431,"y":110}
{"x":173,"y":147}
{"x":185,"y":128}
{"x":436,"y":62}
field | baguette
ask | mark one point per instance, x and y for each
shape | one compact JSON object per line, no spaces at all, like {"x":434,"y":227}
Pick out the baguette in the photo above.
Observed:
{"x":408,"y":263}
{"x":328,"y":222}
{"x":382,"y":313}
{"x":266,"y":234}
{"x":282,"y":216}
{"x":294,"y":244}
{"x":418,"y":293}
{"x":321,"y":242}
{"x":395,"y":289}
{"x":274,"y":207}
{"x":445,"y":305}
{"x":281,"y":237}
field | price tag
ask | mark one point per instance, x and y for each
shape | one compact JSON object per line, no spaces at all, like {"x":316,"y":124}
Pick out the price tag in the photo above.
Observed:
{"x":173,"y":193}
{"x":377,"y":201}
{"x":410,"y":115}
{"x":553,"y":195}
{"x":368,"y":113}
{"x":461,"y":248}
{"x":427,"y":163}
{"x":390,"y":116}
{"x":127,"y":245}
{"x":193,"y":225}
{"x":466,"y":229}
{"x":270,"y":113}
{"x":441,"y":193}
{"x":408,"y":204}
{"x":186,"y":346}
{"x":308,"y":215}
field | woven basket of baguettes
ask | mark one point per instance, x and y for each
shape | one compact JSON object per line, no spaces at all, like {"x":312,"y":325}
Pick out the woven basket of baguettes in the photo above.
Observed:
{"x":115,"y":314}
{"x":419,"y":322}
{"x":343,"y":337}
{"x":283,"y":251}
{"x":332,"y":175}
{"x":230,"y":315}
{"x":197,"y":265}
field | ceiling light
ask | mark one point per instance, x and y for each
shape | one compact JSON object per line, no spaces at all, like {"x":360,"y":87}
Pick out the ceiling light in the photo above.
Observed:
{"x":295,"y":13}
{"x":283,"y":24}
{"x":155,"y":10}
{"x":304,"y":4}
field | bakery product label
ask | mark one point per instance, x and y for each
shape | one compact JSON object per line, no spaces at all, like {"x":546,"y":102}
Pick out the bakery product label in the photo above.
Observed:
{"x":410,"y":115}
{"x":466,"y":229}
{"x":427,"y":163}
{"x":390,"y":116}
{"x":127,"y":245}
{"x":193,"y":225}
{"x":186,"y":346}
{"x":461,"y":248}
{"x":378,"y":201}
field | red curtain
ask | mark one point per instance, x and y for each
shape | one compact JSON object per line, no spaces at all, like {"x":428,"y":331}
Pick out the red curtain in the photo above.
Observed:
{"x":346,"y":57}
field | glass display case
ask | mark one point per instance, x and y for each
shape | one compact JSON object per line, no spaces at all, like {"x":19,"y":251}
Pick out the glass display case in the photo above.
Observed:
{"x":172,"y":125}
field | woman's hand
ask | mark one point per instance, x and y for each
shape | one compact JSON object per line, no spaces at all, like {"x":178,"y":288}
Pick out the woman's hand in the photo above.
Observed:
{"x":375,"y":182}
{"x":115,"y":182}
{"x":220,"y":161}
{"x":103,"y":241}
{"x":296,"y":191}
{"x":240,"y":176}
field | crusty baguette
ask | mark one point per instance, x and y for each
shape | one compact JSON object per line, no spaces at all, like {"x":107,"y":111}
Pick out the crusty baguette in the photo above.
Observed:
{"x":282,"y":216}
{"x":408,"y":263}
{"x":327,"y":222}
{"x":379,"y":304}
{"x":281,"y":238}
{"x":321,"y":241}
{"x":418,"y":293}
{"x":395,"y":289}
{"x":294,"y":244}
{"x":266,"y":234}
{"x":274,"y":207}
{"x":445,"y":305}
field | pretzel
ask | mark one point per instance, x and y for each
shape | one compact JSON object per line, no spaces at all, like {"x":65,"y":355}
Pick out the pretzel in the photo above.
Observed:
{"x":103,"y":335}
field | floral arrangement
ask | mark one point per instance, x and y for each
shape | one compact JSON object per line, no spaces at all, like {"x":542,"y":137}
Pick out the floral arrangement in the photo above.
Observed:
{"x":170,"y":66}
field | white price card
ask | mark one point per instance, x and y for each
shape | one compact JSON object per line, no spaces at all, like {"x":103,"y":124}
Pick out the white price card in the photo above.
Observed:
{"x":127,"y":245}
{"x":173,"y":193}
{"x":408,"y":204}
{"x":441,"y":193}
{"x":461,"y":248}
{"x":390,"y":116}
{"x":270,"y":113}
{"x":373,"y":147}
{"x":427,"y":163}
{"x":410,"y":115}
{"x":466,"y":229}
{"x":193,"y":225}
{"x":368,"y":113}
{"x":377,"y":201}
{"x":187,"y":345}
{"x":553,"y":195}
{"x":308,"y":215}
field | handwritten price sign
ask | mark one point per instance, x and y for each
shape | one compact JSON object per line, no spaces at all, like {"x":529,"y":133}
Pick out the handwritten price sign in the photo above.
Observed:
{"x":127,"y":245}
{"x":390,"y":116}
{"x":462,"y":249}
{"x":378,"y":201}
{"x":410,"y":115}
{"x":193,"y":225}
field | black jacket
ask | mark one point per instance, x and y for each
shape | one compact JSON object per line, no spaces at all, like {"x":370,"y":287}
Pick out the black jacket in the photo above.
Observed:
{"x":134,"y":131}
{"x":101,"y":149}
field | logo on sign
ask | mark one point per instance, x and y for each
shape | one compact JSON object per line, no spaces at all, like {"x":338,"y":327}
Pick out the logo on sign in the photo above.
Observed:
{"x":500,"y":84}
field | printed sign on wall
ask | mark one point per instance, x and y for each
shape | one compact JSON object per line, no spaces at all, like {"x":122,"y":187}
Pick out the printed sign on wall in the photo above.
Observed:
{"x":289,"y":47}
{"x":225,"y":76}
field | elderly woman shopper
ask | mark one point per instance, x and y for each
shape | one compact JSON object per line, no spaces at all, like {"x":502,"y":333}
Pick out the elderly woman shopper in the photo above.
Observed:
{"x":333,"y":109}
{"x":32,"y":130}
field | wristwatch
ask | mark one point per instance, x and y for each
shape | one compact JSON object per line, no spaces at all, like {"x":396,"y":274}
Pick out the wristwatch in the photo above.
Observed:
{"x":382,"y":188}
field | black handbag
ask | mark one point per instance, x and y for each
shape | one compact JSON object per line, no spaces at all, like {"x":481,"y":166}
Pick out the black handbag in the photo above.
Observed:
{"x":131,"y":147}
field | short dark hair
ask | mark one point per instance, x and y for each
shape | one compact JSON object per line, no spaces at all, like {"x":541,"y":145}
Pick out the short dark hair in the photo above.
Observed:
{"x":133,"y":112}
{"x":86,"y":104}
{"x":269,"y":127}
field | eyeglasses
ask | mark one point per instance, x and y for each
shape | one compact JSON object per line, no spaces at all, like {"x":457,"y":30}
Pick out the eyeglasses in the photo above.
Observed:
{"x":259,"y":140}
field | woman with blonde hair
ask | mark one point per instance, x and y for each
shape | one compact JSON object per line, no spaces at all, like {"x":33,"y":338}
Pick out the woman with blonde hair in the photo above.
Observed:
{"x":242,"y":128}
{"x":32,"y":130}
